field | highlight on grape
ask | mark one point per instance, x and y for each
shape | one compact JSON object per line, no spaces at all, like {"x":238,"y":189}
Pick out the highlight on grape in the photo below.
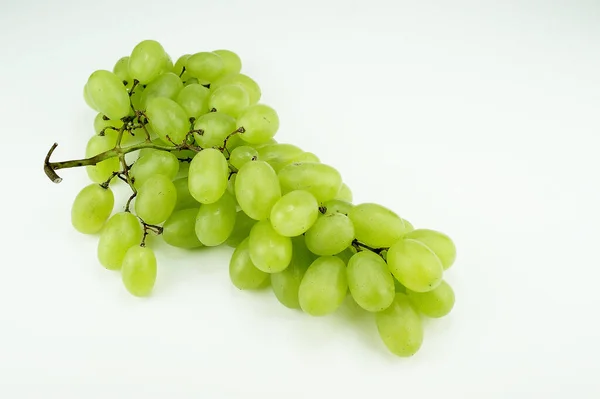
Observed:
{"x":207,"y":171}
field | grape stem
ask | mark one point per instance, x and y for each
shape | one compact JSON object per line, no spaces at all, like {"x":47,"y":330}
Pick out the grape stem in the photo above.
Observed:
{"x":361,"y":247}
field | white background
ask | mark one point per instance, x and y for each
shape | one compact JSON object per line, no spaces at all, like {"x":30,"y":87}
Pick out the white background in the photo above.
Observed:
{"x":480,"y":119}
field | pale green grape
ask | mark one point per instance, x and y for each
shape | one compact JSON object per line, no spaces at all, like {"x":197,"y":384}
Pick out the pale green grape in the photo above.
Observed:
{"x":330,"y":234}
{"x":121,"y":232}
{"x":215,"y":221}
{"x":136,"y":97}
{"x":439,"y":243}
{"x":242,"y":272}
{"x":415,"y":265}
{"x":305,"y":157}
{"x":167,"y":118}
{"x":231,"y":186}
{"x":240,"y":79}
{"x":229,"y":99}
{"x":215,"y":127}
{"x":108,"y":94}
{"x":323,"y":181}
{"x":242,"y":155}
{"x":121,"y":69}
{"x":324,"y":286}
{"x":231,"y":61}
{"x":91,"y":208}
{"x":399,"y":286}
{"x":184,"y":198}
{"x":294,"y":213}
{"x":168,"y":65}
{"x":100,"y":172}
{"x":345,"y":194}
{"x":193,"y":98}
{"x":241,"y":230}
{"x":287,"y":282}
{"x":260,"y":145}
{"x":208,"y":176}
{"x":139,"y":271}
{"x":179,"y":229}
{"x":205,"y":66}
{"x":376,"y":225}
{"x":166,"y":85}
{"x":100,"y":123}
{"x":338,"y":206}
{"x":234,"y":142}
{"x":279,"y":155}
{"x":370,"y":281}
{"x":346,"y":254}
{"x":156,"y":199}
{"x":435,"y":303}
{"x":408,"y":226}
{"x":260,"y":123}
{"x":400,"y":327}
{"x":154,"y":163}
{"x":257,"y":189}
{"x":88,"y":98}
{"x":270,"y":251}
{"x":147,"y":61}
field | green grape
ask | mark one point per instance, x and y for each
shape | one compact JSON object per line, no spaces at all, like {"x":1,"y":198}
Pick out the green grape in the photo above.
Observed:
{"x":136,"y":98}
{"x":278,"y":155}
{"x":330,"y":234}
{"x":121,"y":69}
{"x":346,"y":254}
{"x":88,"y":98}
{"x":147,"y":61}
{"x":400,"y":327}
{"x":246,"y":82}
{"x":139,"y":271}
{"x":376,"y":226}
{"x":269,"y":251}
{"x":231,"y":186}
{"x":242,"y":155}
{"x":167,"y":118}
{"x":242,"y":272}
{"x":439,"y":243}
{"x":180,"y":64}
{"x":321,"y":180}
{"x":229,"y":99}
{"x":156,"y":199}
{"x":260,"y":145}
{"x":208,"y":176}
{"x":344,"y":194}
{"x":435,"y":303}
{"x":415,"y":265}
{"x":205,"y":66}
{"x":121,"y":232}
{"x":241,"y":230}
{"x":294,"y":213}
{"x":260,"y":123}
{"x":184,"y":198}
{"x":215,"y":221}
{"x":324,"y":286}
{"x":257,"y":189}
{"x":193,"y":98}
{"x":154,"y":163}
{"x":166,"y":85}
{"x":287,"y":282}
{"x":179,"y":229}
{"x":399,"y":287}
{"x":91,"y":208}
{"x":215,"y":127}
{"x":168,"y":65}
{"x":100,"y":172}
{"x":101,"y":124}
{"x":231,"y":61}
{"x":305,"y":157}
{"x":337,"y":206}
{"x":370,"y":281}
{"x":408,"y":226}
{"x":108,"y":94}
{"x":234,"y":142}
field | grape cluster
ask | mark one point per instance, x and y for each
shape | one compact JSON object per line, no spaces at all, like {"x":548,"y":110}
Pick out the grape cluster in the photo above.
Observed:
{"x":207,"y":171}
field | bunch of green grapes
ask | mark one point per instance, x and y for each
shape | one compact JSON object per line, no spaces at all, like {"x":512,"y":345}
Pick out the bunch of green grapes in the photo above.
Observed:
{"x":209,"y":172}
